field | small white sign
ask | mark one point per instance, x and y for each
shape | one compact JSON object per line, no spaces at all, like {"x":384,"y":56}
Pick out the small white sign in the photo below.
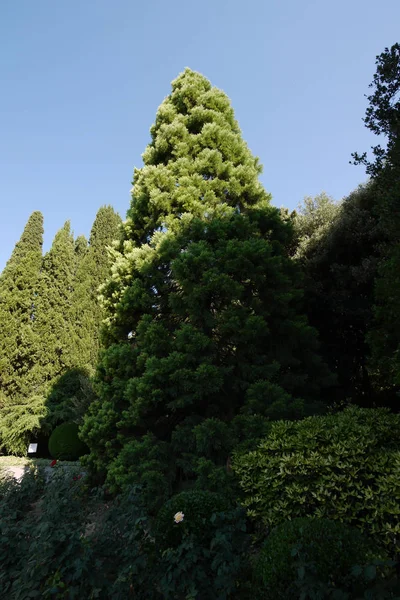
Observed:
{"x":32,"y":448}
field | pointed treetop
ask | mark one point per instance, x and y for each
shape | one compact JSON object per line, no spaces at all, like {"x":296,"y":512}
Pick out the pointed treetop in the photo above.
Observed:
{"x":81,"y":246}
{"x":106,"y":224}
{"x":31,"y":240}
{"x":197,"y":162}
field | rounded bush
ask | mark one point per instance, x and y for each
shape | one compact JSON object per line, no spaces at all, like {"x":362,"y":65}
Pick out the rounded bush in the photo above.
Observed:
{"x":197,"y":507}
{"x":64,"y":443}
{"x":343,"y":466}
{"x":332,"y":547}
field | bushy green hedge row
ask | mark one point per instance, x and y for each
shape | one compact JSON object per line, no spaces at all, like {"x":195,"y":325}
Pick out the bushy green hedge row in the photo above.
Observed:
{"x":61,"y":540}
{"x":344,"y":467}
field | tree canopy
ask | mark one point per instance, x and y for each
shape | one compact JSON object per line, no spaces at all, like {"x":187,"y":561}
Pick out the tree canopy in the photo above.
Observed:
{"x":204,"y":334}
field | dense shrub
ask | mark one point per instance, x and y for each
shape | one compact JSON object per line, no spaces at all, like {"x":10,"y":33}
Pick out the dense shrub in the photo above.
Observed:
{"x":64,"y":443}
{"x":63,"y":540}
{"x":20,"y":422}
{"x":331,"y":547}
{"x":198,"y":508}
{"x":343,"y":466}
{"x":214,"y":566}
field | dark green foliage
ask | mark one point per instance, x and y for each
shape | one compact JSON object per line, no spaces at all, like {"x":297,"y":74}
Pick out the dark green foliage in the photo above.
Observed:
{"x":383,"y":118}
{"x":64,"y":443}
{"x":198,"y":508}
{"x":384,"y":336}
{"x":332,"y":547}
{"x":342,"y":466}
{"x":203,"y":310}
{"x":362,"y":582}
{"x":340,"y":263}
{"x":147,"y":460}
{"x":213,"y":569}
{"x":350,"y":256}
{"x":319,"y":558}
{"x":382,"y":115}
{"x":62,"y":541}
{"x":69,"y":398}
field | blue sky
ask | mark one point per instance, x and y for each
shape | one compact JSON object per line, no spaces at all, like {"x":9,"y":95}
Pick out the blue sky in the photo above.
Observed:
{"x":81,"y":82}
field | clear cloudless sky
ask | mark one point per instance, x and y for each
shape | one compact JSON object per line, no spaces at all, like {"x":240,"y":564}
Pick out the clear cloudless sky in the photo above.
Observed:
{"x":81,"y":81}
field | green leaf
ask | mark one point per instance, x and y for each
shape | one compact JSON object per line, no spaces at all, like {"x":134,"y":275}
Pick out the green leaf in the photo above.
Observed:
{"x":370,"y":572}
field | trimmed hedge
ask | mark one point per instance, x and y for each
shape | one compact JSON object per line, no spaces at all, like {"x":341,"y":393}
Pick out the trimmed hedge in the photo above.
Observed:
{"x":64,"y":443}
{"x":344,"y":466}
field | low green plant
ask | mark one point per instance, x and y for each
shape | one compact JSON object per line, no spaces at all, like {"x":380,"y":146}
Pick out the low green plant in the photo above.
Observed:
{"x":362,"y":582}
{"x":64,"y":442}
{"x":214,"y":566}
{"x":198,"y":508}
{"x":331,"y":547}
{"x":342,"y":466}
{"x":62,"y":540}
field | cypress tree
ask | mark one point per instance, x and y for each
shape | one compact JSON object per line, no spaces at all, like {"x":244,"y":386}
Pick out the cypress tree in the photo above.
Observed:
{"x":18,"y":290}
{"x":53,"y":309}
{"x":92,"y":271}
{"x":19,"y":346}
{"x":81,"y":248}
{"x":204,"y":337}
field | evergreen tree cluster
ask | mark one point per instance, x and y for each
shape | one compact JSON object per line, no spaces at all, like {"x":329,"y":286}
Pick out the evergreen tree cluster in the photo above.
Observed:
{"x":206,"y":338}
{"x":49,"y":326}
{"x":350,"y":254}
{"x":220,"y":312}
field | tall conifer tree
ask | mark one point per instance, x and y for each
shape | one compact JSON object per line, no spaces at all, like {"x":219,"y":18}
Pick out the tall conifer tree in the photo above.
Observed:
{"x":18,"y":294}
{"x":53,"y":309}
{"x":92,"y":271}
{"x":203,"y":333}
{"x":20,"y":409}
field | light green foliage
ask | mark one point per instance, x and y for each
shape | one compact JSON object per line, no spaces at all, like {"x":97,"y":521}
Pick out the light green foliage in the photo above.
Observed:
{"x":332,"y":547}
{"x":81,"y":249}
{"x":92,"y":269}
{"x":312,"y":222}
{"x":53,"y":310}
{"x":64,"y":443}
{"x":18,"y":293}
{"x":20,"y":409}
{"x":50,"y":321}
{"x":20,"y":421}
{"x":203,"y":306}
{"x":343,"y":467}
